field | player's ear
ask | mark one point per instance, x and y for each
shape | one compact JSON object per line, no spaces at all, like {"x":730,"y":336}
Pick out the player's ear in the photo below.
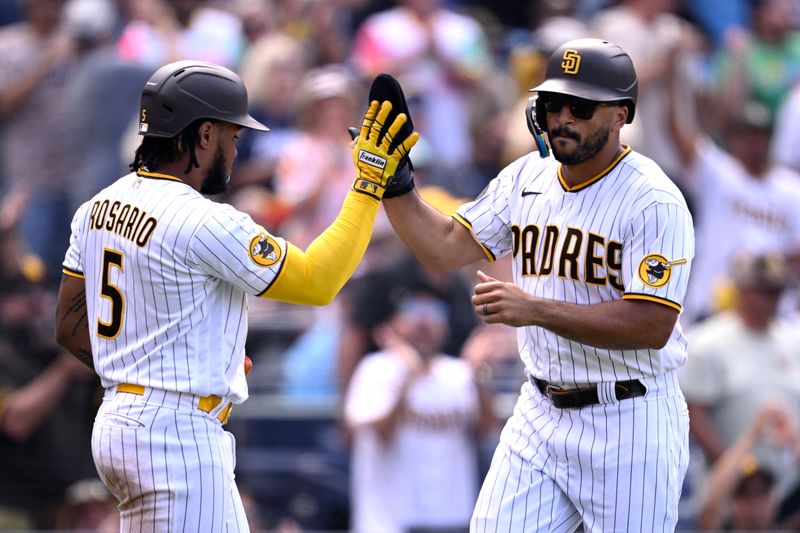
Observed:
{"x":205,"y":134}
{"x":621,"y":115}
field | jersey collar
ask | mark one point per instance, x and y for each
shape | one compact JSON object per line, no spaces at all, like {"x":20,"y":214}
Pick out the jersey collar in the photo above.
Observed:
{"x":609,"y":168}
{"x":157,"y":175}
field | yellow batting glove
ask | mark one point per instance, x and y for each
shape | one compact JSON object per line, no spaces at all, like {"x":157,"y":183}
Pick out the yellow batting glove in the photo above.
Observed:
{"x":375,"y":165}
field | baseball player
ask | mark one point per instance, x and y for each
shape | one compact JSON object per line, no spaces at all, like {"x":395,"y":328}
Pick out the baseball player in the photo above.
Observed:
{"x":602,"y":243}
{"x":154,"y":290}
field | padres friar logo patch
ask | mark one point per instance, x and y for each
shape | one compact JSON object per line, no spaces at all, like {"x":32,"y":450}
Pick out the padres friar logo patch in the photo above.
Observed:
{"x":264,"y":251}
{"x":571,"y":61}
{"x":655,"y":270}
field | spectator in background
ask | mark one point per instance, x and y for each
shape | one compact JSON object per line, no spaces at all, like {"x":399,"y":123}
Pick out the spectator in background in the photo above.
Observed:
{"x":740,"y":359}
{"x":274,"y":67}
{"x":741,"y":495}
{"x":163,"y":31}
{"x":555,"y":22}
{"x":761,"y":64}
{"x":100,"y":98}
{"x":34,"y":131}
{"x":786,"y":137}
{"x":88,"y":506}
{"x":322,"y":26}
{"x":372,"y":302}
{"x":491,"y":349}
{"x":719,"y":17}
{"x":742,"y":202}
{"x":313,"y":188}
{"x":258,"y":17}
{"x":46,"y":398}
{"x":439,"y":56}
{"x":416,"y":415}
{"x":648,"y":30}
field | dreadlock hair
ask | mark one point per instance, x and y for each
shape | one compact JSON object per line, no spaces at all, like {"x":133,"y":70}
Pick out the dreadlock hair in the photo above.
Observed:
{"x":153,"y":151}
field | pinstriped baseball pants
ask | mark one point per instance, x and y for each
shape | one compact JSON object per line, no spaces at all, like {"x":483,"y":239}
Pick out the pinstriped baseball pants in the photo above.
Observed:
{"x":169,"y":464}
{"x":614,"y":467}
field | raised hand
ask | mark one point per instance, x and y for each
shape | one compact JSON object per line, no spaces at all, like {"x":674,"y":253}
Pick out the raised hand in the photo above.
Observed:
{"x":375,"y":163}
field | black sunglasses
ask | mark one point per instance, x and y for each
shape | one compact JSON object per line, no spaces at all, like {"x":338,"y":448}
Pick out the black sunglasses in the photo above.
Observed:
{"x":579,"y":107}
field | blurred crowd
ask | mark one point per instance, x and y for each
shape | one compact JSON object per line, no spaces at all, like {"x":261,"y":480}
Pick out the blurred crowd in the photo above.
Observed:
{"x":412,"y":377}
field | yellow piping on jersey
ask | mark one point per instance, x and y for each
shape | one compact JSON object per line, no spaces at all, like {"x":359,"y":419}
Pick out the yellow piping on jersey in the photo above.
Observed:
{"x":593,"y":179}
{"x":464,"y":222}
{"x":158,"y":175}
{"x":650,"y":298}
{"x":72,"y":273}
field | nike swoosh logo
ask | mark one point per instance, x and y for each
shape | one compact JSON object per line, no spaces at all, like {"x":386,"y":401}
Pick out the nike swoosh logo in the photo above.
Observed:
{"x":528,"y":193}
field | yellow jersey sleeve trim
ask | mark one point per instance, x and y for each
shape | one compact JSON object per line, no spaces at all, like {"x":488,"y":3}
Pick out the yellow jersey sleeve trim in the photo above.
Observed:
{"x":157,"y":175}
{"x":466,"y":223}
{"x":651,"y":298}
{"x":72,"y":273}
{"x":609,"y":168}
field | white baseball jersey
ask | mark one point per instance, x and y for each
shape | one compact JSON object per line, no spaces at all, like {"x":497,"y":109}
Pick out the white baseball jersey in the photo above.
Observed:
{"x":167,"y":273}
{"x":624,"y":234}
{"x":737,"y":213}
{"x":427,"y":475}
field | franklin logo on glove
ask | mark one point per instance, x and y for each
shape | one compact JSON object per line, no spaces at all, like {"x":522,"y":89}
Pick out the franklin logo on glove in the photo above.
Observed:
{"x":371,"y":159}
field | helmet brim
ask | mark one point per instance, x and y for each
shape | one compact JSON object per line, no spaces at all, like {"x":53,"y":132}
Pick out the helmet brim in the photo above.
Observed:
{"x":247,"y":121}
{"x":576,"y":88}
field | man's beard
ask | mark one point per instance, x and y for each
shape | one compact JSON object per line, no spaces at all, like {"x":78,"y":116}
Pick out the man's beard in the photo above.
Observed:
{"x":584,"y":151}
{"x":217,"y":179}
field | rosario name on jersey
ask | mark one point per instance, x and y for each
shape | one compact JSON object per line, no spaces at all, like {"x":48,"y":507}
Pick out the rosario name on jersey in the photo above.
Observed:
{"x":167,"y":272}
{"x":626,"y":233}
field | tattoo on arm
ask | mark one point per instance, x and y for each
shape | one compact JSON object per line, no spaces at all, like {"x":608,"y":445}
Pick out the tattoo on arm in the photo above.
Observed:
{"x":75,"y":316}
{"x":78,"y":307}
{"x":85,"y":357}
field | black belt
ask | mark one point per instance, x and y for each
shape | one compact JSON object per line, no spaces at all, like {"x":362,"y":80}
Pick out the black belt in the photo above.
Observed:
{"x":581,"y":397}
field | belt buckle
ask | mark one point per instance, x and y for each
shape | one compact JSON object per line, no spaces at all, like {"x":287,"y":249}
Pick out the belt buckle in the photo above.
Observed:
{"x":551,"y":390}
{"x":208,"y":403}
{"x":225,"y":414}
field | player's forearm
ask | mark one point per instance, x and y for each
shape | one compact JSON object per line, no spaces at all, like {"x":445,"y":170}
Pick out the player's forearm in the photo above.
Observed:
{"x":72,"y":329}
{"x":617,"y":325}
{"x":17,"y":93}
{"x":703,"y":433}
{"x":386,"y":427}
{"x":29,"y":406}
{"x":315,"y":276}
{"x":721,"y":482}
{"x":487,"y":421}
{"x":438,"y":241}
{"x":684,"y":133}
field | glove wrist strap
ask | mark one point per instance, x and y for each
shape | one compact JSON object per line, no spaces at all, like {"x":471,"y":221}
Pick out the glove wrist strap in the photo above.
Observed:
{"x":368,"y":187}
{"x":404,"y":189}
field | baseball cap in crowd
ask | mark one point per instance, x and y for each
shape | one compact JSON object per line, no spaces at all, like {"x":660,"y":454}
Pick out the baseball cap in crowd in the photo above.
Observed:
{"x":766,"y":271}
{"x":754,"y":479}
{"x":751,"y":115}
{"x":330,"y":81}
{"x":555,"y":31}
{"x":90,"y":19}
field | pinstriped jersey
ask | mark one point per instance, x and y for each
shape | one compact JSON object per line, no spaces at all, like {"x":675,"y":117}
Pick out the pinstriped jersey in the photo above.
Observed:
{"x":624,"y":234}
{"x":167,"y":273}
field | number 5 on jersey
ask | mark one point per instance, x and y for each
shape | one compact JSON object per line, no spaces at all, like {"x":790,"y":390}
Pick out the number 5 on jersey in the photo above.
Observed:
{"x":110,"y":330}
